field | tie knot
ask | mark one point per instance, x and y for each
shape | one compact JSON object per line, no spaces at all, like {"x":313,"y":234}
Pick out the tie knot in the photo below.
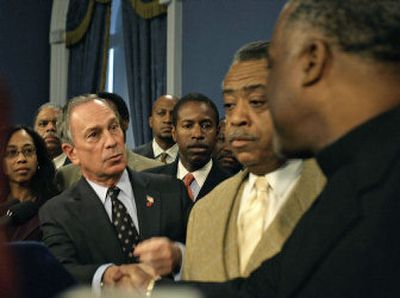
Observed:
{"x":164,"y":156}
{"x":113,"y":192}
{"x":261,"y":184}
{"x":188,"y":179}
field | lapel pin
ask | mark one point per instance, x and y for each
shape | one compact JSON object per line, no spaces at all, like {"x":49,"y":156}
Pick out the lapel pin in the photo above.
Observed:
{"x":149,"y":201}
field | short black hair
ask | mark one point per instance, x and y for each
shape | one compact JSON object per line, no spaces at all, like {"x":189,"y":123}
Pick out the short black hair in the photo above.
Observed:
{"x":43,"y":184}
{"x":369,"y":28}
{"x":119,"y":102}
{"x":255,"y":50}
{"x":196,"y":97}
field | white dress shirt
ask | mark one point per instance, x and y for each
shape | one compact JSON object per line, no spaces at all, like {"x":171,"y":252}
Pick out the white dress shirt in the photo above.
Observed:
{"x":172,"y":152}
{"x":59,"y":160}
{"x":200,"y":176}
{"x":281,"y":181}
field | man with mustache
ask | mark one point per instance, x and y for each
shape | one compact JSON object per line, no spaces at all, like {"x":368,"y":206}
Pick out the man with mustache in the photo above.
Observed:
{"x":162,"y":147}
{"x":223,"y":153}
{"x":219,"y":244}
{"x":195,"y":128}
{"x":113,"y":215}
{"x":45,"y":124}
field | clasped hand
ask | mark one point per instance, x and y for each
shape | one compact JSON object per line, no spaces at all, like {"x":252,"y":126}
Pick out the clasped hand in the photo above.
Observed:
{"x":157,"y":256}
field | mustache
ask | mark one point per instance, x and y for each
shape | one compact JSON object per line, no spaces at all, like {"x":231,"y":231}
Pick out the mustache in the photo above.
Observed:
{"x":240,"y":135}
{"x":198,"y":145}
{"x":51,"y":134}
{"x":224,"y":154}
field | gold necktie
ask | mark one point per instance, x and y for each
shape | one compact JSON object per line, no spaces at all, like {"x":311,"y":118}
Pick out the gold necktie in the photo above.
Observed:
{"x":251,"y":221}
{"x":163,"y":158}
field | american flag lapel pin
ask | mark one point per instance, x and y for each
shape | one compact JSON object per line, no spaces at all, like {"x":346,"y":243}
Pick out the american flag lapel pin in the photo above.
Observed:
{"x":149,"y":201}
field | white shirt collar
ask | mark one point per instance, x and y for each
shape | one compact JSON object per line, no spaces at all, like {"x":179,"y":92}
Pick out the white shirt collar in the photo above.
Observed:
{"x":280,"y":179}
{"x":59,"y":160}
{"x":200,"y":175}
{"x":172,"y":151}
{"x":123,"y":184}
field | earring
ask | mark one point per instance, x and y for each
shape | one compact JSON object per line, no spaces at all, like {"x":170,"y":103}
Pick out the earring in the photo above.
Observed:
{"x":38,"y":167}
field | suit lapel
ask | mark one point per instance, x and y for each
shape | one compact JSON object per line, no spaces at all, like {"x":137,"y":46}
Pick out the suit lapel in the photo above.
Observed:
{"x":228,"y":229}
{"x":95,"y":222}
{"x":302,"y":196}
{"x":213,"y":178}
{"x":148,"y":205}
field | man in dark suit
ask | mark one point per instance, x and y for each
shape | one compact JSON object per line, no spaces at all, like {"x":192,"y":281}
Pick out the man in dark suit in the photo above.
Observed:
{"x":112,"y":216}
{"x":162,"y":147}
{"x":333,"y":90}
{"x":195,"y":129}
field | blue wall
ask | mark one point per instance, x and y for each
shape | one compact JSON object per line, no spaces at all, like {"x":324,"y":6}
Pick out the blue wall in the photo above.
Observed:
{"x":25,"y":54}
{"x":212,"y":30}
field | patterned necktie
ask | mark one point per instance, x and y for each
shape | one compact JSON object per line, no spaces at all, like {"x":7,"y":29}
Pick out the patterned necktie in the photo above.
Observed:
{"x":126,"y":231}
{"x":187,"y":180}
{"x":251,"y":221}
{"x":164,"y":157}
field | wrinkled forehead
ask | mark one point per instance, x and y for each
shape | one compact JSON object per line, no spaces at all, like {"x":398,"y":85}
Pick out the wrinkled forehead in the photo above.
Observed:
{"x":243,"y":74}
{"x":48,"y":113}
{"x":94,"y":112}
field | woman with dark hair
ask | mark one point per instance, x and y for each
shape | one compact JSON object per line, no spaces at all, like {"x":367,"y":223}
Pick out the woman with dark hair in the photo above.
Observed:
{"x":29,"y":176}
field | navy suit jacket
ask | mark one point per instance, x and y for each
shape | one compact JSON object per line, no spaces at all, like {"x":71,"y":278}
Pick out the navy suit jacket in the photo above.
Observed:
{"x":215,"y":177}
{"x":78,"y":231}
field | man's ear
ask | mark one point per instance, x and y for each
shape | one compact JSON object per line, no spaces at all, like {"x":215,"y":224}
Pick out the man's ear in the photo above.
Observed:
{"x":314,"y":58}
{"x":150,"y":122}
{"x":173,"y":133}
{"x":69,"y":150}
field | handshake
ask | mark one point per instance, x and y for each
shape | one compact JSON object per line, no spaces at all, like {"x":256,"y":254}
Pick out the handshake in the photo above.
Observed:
{"x":157,"y":257}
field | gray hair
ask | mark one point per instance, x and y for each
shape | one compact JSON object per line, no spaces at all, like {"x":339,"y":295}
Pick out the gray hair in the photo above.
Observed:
{"x":251,"y":51}
{"x":63,"y":126}
{"x":47,"y":105}
{"x":255,"y":50}
{"x":369,"y":28}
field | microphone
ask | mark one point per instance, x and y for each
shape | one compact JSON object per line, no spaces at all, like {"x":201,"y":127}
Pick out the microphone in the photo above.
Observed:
{"x":20,"y":213}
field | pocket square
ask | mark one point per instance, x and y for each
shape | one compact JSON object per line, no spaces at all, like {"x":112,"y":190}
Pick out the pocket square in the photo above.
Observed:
{"x":149,"y":201}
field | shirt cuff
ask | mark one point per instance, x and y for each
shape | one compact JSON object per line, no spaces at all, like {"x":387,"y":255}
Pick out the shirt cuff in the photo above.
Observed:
{"x":178,"y":275}
{"x":97,"y":277}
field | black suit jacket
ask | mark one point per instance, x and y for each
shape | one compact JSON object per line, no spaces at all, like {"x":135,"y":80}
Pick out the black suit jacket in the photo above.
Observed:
{"x":215,"y":177}
{"x":348,"y":243}
{"x":145,"y":150}
{"x":77,"y":229}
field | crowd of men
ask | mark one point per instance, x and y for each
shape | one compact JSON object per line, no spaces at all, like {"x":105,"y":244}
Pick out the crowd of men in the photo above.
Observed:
{"x":293,"y":193}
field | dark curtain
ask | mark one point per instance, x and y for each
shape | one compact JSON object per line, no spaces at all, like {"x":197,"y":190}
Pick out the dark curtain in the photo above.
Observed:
{"x":145,"y":53}
{"x":87,"y":39}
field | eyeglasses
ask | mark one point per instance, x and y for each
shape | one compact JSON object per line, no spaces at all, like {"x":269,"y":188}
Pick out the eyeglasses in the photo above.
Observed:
{"x":28,"y":151}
